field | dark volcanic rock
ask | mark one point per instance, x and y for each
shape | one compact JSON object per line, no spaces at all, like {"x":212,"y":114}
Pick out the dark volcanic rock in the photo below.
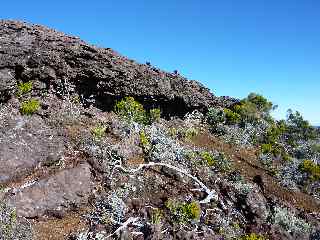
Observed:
{"x":24,"y":143}
{"x":56,"y":194}
{"x":33,"y":52}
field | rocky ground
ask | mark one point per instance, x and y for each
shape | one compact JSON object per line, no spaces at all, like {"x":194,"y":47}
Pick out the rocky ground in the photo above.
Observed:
{"x":81,"y":160}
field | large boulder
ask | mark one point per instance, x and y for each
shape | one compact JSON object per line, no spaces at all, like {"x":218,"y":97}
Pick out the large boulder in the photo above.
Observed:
{"x":56,"y":194}
{"x":33,"y":52}
{"x":26,"y":142}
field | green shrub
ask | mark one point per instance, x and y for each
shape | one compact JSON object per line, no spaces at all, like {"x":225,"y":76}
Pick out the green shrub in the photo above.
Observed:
{"x":262,"y":104}
{"x":252,"y":236}
{"x":29,"y":107}
{"x":98,"y":132}
{"x":144,"y":142}
{"x":315,"y":148}
{"x":311,"y":168}
{"x":173,"y":132}
{"x":247,"y":111}
{"x":275,"y":132}
{"x":222,"y":163}
{"x":298,"y":128}
{"x":155,"y":115}
{"x":131,"y":110}
{"x":266,"y":148}
{"x":184,"y":212}
{"x":276,"y":150}
{"x":208,"y":158}
{"x":253,"y":108}
{"x":231,"y":117}
{"x":190,"y":133}
{"x":24,"y":87}
{"x":156,"y":216}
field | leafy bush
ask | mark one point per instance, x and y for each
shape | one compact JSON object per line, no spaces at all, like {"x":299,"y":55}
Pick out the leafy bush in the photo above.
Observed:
{"x":253,"y":108}
{"x":156,"y":216}
{"x":98,"y":132}
{"x":275,"y":132}
{"x":184,"y":212}
{"x":144,"y":141}
{"x":298,"y":128}
{"x":155,"y":115}
{"x":231,"y":117}
{"x":131,"y":110}
{"x":266,"y":148}
{"x":29,"y":107}
{"x":208,"y":158}
{"x":311,"y":168}
{"x":24,"y":87}
{"x":190,"y":133}
{"x":222,"y":163}
{"x":248,"y":111}
{"x":276,"y":150}
{"x":252,"y":236}
{"x":262,"y":104}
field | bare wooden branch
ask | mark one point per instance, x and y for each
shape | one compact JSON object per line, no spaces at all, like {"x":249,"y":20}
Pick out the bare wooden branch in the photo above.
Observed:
{"x":210,"y":193}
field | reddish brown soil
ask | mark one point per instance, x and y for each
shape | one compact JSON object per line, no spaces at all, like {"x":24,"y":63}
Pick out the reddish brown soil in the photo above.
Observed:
{"x":59,"y":229}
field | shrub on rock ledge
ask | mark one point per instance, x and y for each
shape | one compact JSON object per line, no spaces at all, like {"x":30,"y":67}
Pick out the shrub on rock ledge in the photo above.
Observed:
{"x":29,"y":107}
{"x":24,"y":87}
{"x":131,"y":110}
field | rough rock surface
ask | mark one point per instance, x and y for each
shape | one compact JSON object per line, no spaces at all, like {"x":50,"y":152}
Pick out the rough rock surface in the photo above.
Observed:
{"x":56,"y":194}
{"x":24,"y":143}
{"x":72,"y":169}
{"x":30,"y":52}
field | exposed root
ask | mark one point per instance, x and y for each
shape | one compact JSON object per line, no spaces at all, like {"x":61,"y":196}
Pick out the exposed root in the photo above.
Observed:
{"x":210,"y":193}
{"x":123,"y":226}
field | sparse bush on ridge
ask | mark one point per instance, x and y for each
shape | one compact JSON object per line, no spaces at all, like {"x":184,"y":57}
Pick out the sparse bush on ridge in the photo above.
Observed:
{"x":24,"y":87}
{"x":155,"y":114}
{"x":184,"y":212}
{"x":144,"y":142}
{"x":313,"y":169}
{"x":208,"y":158}
{"x":298,"y":128}
{"x":231,"y":117}
{"x":253,"y":107}
{"x":29,"y":107}
{"x":99,"y":131}
{"x":131,"y":110}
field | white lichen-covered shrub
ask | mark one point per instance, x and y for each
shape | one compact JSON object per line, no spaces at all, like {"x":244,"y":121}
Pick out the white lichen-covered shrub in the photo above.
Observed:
{"x":193,"y":119}
{"x":289,"y":222}
{"x":164,"y":148}
{"x":248,"y":135}
{"x":108,"y":210}
{"x":290,"y":176}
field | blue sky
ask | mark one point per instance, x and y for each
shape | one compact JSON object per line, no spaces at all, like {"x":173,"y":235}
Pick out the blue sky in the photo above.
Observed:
{"x":233,"y":47}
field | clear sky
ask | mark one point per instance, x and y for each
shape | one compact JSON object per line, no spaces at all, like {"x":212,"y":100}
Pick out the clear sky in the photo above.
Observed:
{"x":234,"y":47}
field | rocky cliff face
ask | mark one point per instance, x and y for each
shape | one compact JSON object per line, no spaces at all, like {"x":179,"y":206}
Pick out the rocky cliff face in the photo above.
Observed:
{"x":72,"y":168}
{"x":33,"y":52}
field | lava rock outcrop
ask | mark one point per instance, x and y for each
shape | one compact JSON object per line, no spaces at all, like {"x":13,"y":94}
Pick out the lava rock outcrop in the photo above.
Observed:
{"x":34,"y":52}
